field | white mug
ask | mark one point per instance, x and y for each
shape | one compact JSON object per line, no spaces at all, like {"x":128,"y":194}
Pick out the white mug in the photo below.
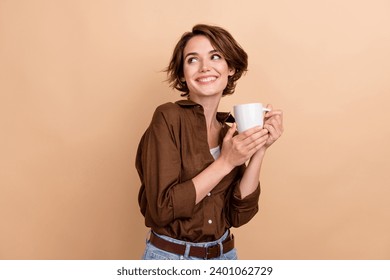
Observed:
{"x":249,"y":115}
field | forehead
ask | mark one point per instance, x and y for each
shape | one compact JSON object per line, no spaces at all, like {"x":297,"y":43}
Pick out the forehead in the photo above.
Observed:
{"x":198,"y":44}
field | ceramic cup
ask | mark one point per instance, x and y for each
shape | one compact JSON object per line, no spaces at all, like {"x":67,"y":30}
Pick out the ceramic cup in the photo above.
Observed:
{"x":249,"y":115}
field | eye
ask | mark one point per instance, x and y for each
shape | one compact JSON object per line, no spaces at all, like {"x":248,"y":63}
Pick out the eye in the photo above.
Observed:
{"x":216,"y":57}
{"x":192,"y":60}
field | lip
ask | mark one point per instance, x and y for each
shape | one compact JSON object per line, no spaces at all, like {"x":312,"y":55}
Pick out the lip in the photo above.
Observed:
{"x":206,"y":79}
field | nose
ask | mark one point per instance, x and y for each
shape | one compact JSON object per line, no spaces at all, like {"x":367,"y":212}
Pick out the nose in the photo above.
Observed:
{"x":204,"y":66}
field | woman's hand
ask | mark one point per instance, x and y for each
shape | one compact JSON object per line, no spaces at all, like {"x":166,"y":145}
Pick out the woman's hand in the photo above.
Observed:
{"x":240,"y":148}
{"x":273,"y":122}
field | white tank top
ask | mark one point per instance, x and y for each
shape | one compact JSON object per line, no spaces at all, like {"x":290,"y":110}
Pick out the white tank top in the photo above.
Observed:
{"x":215,"y":152}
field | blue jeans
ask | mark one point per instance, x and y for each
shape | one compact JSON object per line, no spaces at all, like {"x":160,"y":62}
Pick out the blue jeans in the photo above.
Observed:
{"x":154,"y":253}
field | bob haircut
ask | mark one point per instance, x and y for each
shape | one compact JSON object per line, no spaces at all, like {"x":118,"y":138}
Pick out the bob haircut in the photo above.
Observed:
{"x":223,"y":42}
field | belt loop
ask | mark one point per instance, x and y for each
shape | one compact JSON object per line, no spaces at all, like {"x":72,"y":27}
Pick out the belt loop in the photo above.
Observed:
{"x":147,"y":237}
{"x":187,"y":252}
{"x":220,"y":248}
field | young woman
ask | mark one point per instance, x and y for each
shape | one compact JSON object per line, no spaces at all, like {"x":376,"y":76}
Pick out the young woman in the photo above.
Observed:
{"x":192,"y":164}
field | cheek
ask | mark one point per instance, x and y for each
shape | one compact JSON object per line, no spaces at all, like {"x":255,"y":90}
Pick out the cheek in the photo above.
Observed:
{"x":225,"y":70}
{"x":187,"y":71}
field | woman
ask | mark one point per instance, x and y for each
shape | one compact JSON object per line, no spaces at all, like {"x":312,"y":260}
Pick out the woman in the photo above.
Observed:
{"x":195,"y":183}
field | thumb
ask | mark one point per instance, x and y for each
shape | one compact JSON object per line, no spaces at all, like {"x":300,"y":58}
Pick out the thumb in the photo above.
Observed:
{"x":231,"y":131}
{"x":269,"y":106}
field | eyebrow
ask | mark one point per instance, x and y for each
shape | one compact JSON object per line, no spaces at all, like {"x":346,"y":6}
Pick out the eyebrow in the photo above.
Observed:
{"x":195,"y":53}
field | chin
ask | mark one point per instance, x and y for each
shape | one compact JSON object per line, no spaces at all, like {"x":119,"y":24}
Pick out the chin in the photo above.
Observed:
{"x":208,"y":92}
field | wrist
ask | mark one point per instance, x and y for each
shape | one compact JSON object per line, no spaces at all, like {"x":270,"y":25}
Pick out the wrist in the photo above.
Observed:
{"x":259,"y":154}
{"x":223,"y":165}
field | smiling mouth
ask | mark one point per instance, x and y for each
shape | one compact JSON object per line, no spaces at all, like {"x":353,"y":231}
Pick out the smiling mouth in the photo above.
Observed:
{"x":206,"y":79}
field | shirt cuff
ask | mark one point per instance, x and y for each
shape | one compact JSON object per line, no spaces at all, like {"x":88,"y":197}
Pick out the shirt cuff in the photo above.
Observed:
{"x":247,"y":203}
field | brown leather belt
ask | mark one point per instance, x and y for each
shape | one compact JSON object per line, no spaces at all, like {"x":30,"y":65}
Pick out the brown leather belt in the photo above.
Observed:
{"x":195,"y":251}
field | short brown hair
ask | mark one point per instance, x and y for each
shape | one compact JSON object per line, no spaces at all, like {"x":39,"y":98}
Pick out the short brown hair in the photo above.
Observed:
{"x":223,"y":42}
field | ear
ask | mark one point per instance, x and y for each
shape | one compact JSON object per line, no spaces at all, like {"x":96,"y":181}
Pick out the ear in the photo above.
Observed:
{"x":232,"y":71}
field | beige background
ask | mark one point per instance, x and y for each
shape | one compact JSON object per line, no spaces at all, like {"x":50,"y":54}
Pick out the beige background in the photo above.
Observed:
{"x":79,"y":81}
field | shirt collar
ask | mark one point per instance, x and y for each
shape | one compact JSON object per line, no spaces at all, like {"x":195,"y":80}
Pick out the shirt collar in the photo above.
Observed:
{"x":221,"y":116}
{"x":187,"y":103}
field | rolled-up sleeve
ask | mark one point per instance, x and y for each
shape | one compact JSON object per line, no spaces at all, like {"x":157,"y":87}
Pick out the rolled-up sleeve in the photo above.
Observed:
{"x":159,"y":165}
{"x":242,"y":210}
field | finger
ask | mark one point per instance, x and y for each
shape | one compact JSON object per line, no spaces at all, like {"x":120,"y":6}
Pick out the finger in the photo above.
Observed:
{"x":271,"y":129}
{"x":254,"y":140}
{"x":269,"y":107}
{"x":257,"y":147}
{"x":277,"y":123}
{"x":261,"y":133}
{"x":274,"y":132}
{"x":258,"y":143}
{"x":247,"y":133}
{"x":249,"y":138}
{"x":231,"y":131}
{"x":274,"y":113}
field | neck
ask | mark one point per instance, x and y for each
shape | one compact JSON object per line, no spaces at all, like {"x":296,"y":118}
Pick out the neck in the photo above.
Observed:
{"x":210,"y":107}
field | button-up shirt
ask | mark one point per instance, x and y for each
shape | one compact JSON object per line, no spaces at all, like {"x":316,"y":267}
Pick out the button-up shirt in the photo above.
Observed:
{"x":172,"y":151}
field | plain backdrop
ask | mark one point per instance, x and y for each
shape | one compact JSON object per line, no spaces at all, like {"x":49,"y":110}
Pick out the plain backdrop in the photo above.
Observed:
{"x":79,"y":81}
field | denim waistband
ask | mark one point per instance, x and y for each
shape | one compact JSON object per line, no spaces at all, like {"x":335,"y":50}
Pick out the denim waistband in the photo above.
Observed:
{"x":197,"y":244}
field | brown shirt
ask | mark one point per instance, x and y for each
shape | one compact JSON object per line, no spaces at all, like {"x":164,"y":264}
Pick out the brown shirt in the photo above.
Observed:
{"x":172,"y":151}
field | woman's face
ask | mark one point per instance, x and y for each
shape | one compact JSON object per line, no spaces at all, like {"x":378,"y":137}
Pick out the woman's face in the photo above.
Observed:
{"x":205,"y":69}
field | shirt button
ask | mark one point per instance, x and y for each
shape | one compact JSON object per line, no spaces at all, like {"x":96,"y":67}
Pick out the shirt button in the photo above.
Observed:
{"x":210,"y":221}
{"x":209,"y":194}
